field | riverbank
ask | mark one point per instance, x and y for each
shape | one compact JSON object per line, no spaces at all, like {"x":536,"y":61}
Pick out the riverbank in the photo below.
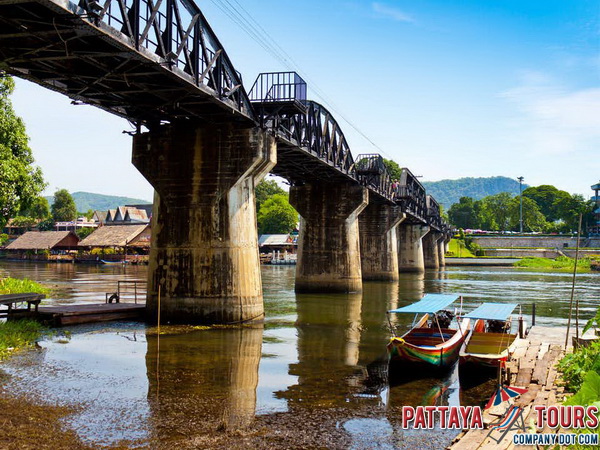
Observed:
{"x":560,"y":264}
{"x":483,"y":262}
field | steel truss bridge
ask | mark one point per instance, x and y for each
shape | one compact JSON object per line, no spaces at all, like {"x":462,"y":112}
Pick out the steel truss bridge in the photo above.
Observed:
{"x":157,"y":61}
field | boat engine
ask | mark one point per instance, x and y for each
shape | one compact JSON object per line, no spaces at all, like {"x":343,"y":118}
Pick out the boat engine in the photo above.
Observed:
{"x":497,"y":326}
{"x":443,"y":318}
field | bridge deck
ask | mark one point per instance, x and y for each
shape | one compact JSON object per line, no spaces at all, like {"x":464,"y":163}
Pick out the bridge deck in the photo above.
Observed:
{"x":58,"y":45}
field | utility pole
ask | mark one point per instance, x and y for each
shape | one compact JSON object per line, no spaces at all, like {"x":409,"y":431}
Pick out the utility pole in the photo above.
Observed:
{"x":520,"y":204}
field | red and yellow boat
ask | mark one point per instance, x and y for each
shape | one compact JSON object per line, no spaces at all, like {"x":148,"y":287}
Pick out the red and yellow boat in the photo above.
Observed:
{"x":490,"y":341}
{"x":430,"y":340}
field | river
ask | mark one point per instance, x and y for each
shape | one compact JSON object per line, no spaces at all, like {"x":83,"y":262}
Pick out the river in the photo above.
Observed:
{"x":315,"y":355}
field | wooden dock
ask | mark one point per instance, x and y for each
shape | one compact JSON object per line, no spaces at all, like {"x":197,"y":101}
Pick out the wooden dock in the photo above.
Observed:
{"x":102,"y":312}
{"x":531,"y":366}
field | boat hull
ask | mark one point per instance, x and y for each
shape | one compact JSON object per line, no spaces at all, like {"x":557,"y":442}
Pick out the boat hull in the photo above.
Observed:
{"x":486,"y":349}
{"x":443,"y":355}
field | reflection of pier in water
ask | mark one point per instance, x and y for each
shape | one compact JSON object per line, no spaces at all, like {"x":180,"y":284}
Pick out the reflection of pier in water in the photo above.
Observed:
{"x":204,"y":380}
{"x":329,"y":332}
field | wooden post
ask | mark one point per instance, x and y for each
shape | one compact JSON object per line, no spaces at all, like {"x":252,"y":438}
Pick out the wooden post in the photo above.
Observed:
{"x":573,"y":292}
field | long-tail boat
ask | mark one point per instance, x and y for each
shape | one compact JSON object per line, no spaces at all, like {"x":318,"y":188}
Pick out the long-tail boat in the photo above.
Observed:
{"x":490,"y":341}
{"x":430,"y":339}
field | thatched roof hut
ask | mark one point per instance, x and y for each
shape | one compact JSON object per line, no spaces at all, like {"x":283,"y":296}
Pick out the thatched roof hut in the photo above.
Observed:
{"x":116,"y":236}
{"x":45,"y":240}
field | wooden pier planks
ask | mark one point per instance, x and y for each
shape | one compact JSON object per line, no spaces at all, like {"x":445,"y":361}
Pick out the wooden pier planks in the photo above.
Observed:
{"x":533,"y":366}
{"x":77,"y":314}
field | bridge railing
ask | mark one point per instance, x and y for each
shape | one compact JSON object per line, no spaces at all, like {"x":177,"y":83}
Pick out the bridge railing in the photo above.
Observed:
{"x":372,"y":172}
{"x":177,"y":32}
{"x":411,"y":195}
{"x":434,"y":213}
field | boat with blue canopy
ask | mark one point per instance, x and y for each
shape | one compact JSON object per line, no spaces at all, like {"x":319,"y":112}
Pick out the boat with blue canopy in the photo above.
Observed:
{"x":432,"y":339}
{"x":490,"y":341}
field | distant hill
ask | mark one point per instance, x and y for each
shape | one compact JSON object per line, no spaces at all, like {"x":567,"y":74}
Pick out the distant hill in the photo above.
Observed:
{"x":447,"y":192}
{"x":88,"y":200}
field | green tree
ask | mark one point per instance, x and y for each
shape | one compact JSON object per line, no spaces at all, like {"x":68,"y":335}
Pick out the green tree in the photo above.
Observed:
{"x":82,"y":233}
{"x":547,"y":198}
{"x":277,"y":216}
{"x":495,"y":212}
{"x":38,"y":209}
{"x":24,"y":222}
{"x":266,"y":189}
{"x":63,"y":208}
{"x":20,"y":180}
{"x":88,"y":214}
{"x":393,"y":168}
{"x":533,"y":219}
{"x":569,"y":208}
{"x":465,"y":213}
{"x":46,"y":225}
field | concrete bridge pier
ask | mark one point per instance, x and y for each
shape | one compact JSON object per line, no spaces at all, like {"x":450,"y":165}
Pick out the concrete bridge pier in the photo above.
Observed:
{"x":431,"y":249}
{"x":378,"y":242}
{"x":410,"y":247}
{"x":442,"y":249}
{"x":204,"y":251}
{"x":328,"y":244}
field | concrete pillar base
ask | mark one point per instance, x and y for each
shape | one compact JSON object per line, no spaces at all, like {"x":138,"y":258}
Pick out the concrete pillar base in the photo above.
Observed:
{"x":204,"y":252}
{"x":442,"y":249}
{"x":410,"y":247}
{"x":328,"y":244}
{"x":431,"y":249}
{"x":378,"y":242}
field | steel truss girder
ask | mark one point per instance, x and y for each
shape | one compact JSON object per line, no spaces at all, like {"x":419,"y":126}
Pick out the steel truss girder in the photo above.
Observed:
{"x":169,"y":40}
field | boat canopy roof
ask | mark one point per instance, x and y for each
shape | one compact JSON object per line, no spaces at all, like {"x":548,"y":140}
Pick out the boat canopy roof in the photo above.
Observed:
{"x":430,"y":303}
{"x":493,"y":311}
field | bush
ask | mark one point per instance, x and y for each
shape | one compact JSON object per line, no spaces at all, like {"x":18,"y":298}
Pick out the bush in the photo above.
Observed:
{"x":575,"y":366}
{"x":19,"y":286}
{"x":103,"y":251}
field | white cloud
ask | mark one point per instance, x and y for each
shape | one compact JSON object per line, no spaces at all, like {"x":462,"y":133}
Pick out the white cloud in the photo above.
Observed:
{"x":392,"y":13}
{"x":552,"y":119}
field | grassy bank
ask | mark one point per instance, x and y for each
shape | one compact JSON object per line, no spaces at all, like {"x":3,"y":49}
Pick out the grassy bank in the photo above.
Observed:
{"x":457,"y":249}
{"x":18,"y":334}
{"x":560,"y":264}
{"x":18,"y":286}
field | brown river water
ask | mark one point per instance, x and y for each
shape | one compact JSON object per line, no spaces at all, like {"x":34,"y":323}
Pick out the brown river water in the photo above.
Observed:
{"x":314,"y":355}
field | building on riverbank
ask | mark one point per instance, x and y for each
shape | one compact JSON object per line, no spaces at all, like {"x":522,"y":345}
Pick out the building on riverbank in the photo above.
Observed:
{"x":278,"y":248}
{"x":15,"y":229}
{"x":43,"y":245}
{"x":125,"y":215}
{"x":115,"y":241}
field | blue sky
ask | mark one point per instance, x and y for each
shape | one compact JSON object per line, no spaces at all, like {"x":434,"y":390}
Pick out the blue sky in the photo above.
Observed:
{"x":446,"y":88}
